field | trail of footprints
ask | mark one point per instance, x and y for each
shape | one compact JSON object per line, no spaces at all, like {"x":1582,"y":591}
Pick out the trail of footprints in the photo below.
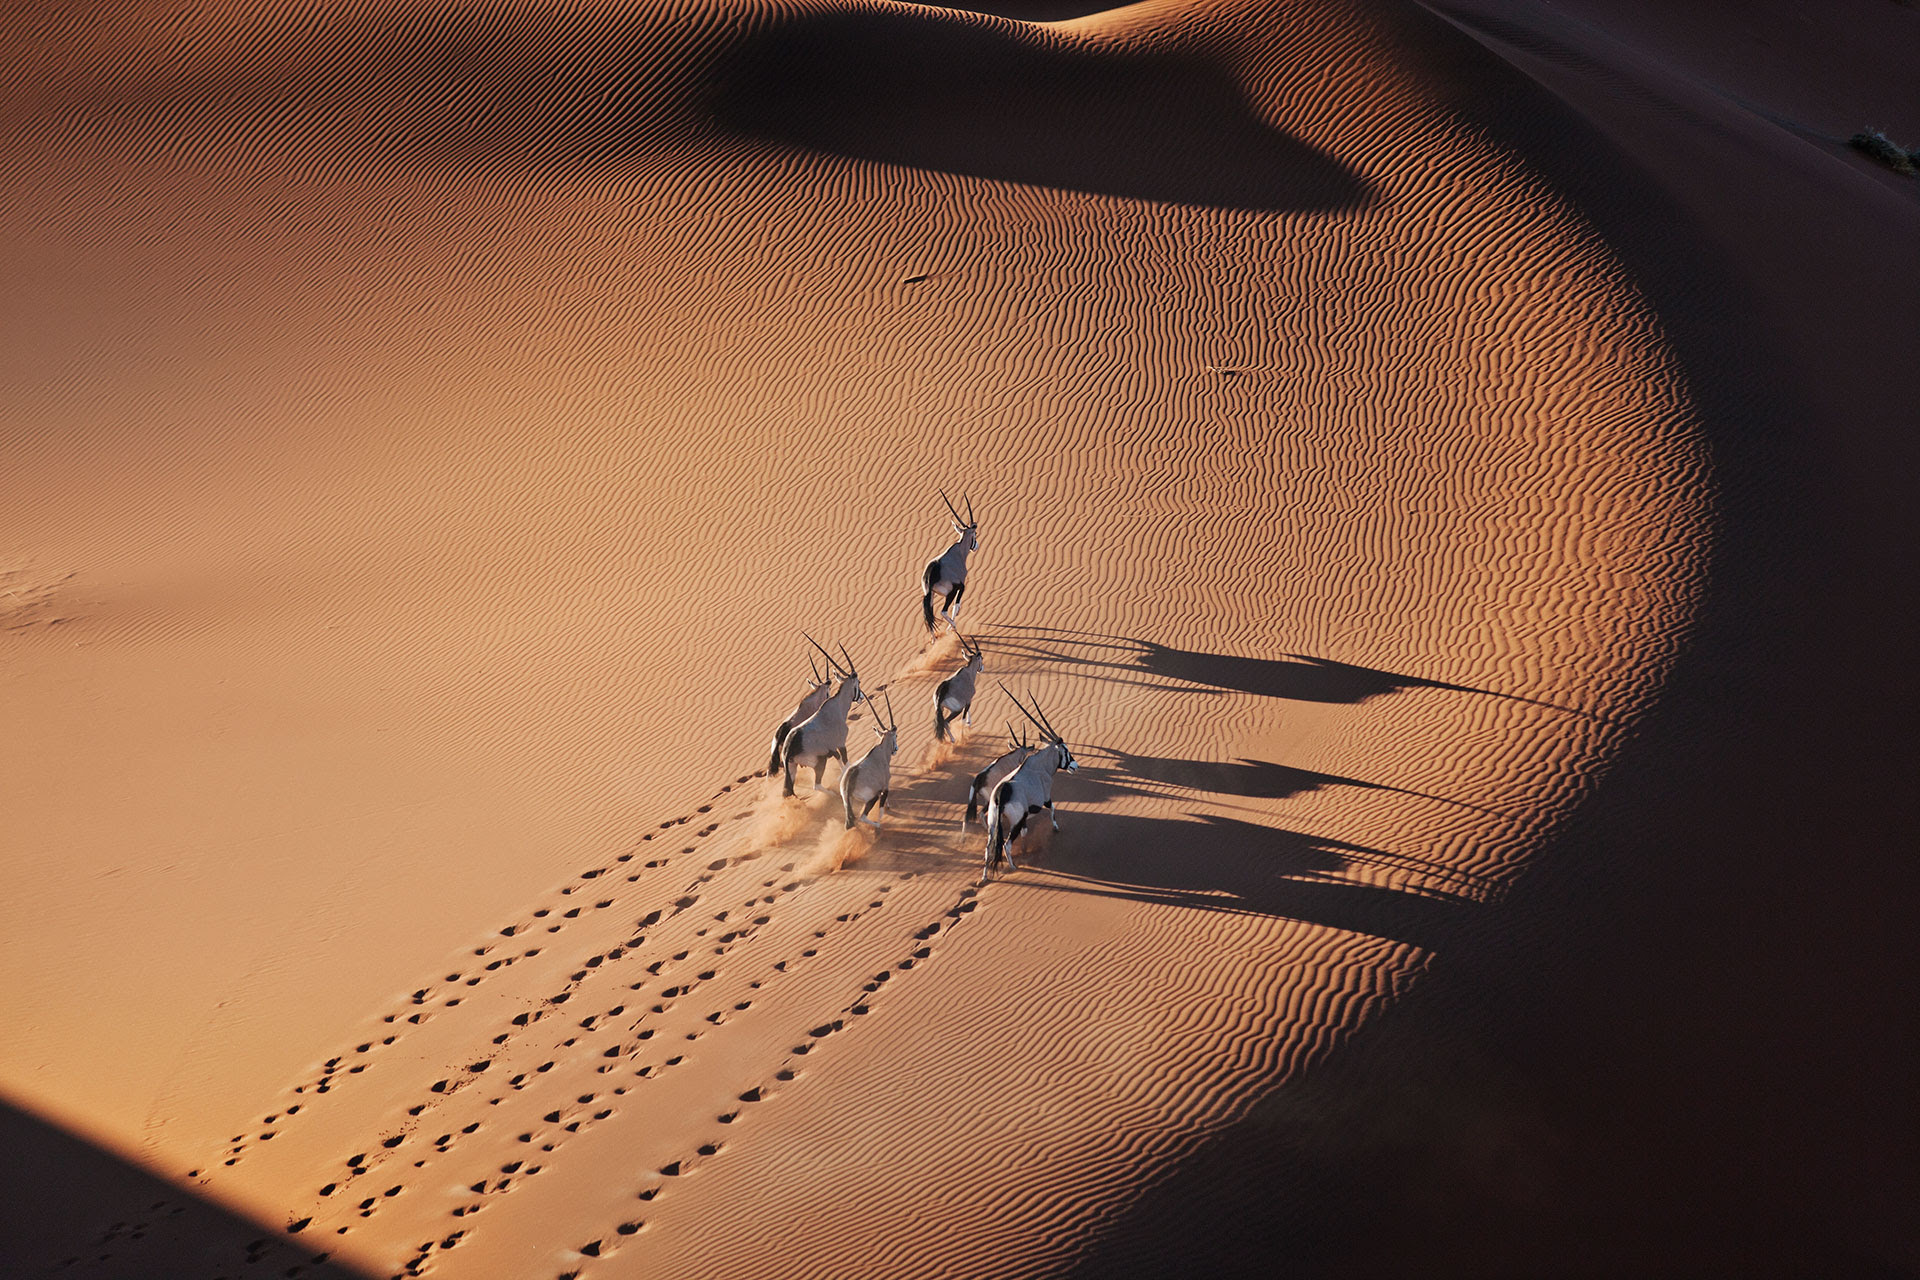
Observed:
{"x":743,"y":923}
{"x":359,"y":1193}
{"x":589,"y":1109}
{"x":424,"y":1004}
{"x":789,"y":1071}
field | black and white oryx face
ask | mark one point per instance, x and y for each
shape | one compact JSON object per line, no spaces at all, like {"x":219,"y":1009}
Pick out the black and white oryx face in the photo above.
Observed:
{"x":1051,"y":740}
{"x":849,"y":691}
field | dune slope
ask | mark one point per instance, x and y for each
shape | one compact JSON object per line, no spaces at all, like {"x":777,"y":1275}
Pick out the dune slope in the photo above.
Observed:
{"x":437,"y":427}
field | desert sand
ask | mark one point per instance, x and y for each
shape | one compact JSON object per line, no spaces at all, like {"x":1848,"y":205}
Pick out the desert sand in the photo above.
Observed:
{"x":1443,"y":468}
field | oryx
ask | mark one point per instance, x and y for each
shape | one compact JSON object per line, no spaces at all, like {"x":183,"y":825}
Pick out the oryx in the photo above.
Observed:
{"x":1026,"y":791}
{"x":948,"y":575}
{"x":954,"y":697}
{"x":822,"y":734}
{"x":866,"y":779}
{"x":816,"y":694}
{"x":990,"y":777}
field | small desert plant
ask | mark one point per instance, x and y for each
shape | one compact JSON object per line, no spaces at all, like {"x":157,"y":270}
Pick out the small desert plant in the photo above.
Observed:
{"x":1885,"y":150}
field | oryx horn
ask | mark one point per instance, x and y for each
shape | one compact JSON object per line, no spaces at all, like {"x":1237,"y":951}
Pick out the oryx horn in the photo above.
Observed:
{"x":1045,"y":723}
{"x":1023,"y":707}
{"x":956,"y":515}
{"x":832,"y":666}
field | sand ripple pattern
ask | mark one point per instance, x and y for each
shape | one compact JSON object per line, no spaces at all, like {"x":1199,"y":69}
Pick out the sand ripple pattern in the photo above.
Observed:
{"x":1344,"y":509}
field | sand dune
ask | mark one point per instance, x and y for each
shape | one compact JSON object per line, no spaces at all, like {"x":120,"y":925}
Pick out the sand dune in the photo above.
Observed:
{"x":435,"y":428}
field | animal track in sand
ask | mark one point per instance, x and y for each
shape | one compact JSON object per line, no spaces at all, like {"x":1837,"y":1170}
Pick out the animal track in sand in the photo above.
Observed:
{"x":788,"y":1071}
{"x":416,"y":1013}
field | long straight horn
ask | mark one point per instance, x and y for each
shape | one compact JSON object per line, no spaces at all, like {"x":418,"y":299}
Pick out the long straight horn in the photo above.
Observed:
{"x":832,"y":666}
{"x":949,"y":501}
{"x":813,"y":667}
{"x":1023,"y":707}
{"x":853,"y":672}
{"x":892,"y":723}
{"x":1046,"y":724}
{"x":968,"y":498}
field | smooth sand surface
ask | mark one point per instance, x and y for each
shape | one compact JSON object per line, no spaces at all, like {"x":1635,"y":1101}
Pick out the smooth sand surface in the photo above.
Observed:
{"x":1392,"y":429}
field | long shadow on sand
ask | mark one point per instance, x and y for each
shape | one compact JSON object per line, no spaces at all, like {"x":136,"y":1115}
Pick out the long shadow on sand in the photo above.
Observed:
{"x":1298,"y":676}
{"x":932,"y":92}
{"x":1223,"y":864}
{"x":70,"y":1208}
{"x":1255,"y":779}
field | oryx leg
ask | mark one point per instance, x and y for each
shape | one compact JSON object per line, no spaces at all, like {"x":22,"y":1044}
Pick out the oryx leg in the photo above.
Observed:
{"x":1019,"y":829}
{"x":820,"y":769}
{"x":953,"y":603}
{"x":1054,"y":817}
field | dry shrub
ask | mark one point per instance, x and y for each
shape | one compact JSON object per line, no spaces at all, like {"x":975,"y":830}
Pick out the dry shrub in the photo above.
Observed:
{"x":1882,"y":148}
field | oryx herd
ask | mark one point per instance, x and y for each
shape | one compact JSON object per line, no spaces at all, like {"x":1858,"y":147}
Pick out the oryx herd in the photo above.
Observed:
{"x":1011,"y":791}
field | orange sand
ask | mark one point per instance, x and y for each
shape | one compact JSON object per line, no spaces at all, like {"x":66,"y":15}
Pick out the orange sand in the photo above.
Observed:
{"x":432,"y":428}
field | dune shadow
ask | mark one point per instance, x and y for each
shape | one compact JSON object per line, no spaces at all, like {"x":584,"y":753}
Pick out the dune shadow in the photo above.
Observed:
{"x":927,"y":92}
{"x":1034,"y":10}
{"x":71,"y":1208}
{"x":1212,"y":863}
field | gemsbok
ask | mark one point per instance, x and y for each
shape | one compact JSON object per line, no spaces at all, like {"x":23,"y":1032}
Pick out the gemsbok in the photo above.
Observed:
{"x":816,"y":694}
{"x":1025,"y":792}
{"x":954,"y":697}
{"x":823,"y":734}
{"x":994,"y":774}
{"x":947,"y":576}
{"x":865,"y":781}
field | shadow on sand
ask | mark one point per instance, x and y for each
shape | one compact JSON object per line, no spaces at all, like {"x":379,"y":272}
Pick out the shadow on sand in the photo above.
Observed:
{"x":73,"y":1209}
{"x":1223,"y":864}
{"x":932,"y":92}
{"x":1297,"y":676}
